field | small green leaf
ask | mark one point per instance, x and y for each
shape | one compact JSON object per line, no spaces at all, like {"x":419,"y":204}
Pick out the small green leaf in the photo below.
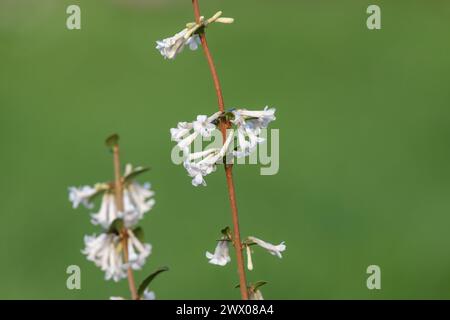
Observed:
{"x":229,"y":116}
{"x":139,"y":233}
{"x":144,"y":284}
{"x":116,"y":226}
{"x":258,"y":284}
{"x":200,"y":30}
{"x":112,"y":140}
{"x":226,"y":232}
{"x":254,"y":286}
{"x":136,"y":171}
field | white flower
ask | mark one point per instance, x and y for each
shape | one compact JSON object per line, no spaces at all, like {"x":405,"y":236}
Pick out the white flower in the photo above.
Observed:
{"x":255,"y":295}
{"x":108,"y":211}
{"x":221,"y":254}
{"x":82,"y":195}
{"x":182,"y":129}
{"x":199,"y":169}
{"x":148,"y":295}
{"x":254,"y":119}
{"x":249,"y":124}
{"x":203,"y":125}
{"x":137,"y":251}
{"x":171,"y":46}
{"x":273,"y":249}
{"x":186,"y":132}
{"x":249,"y":258}
{"x":197,"y":172}
{"x":137,"y":200}
{"x":247,"y":146}
{"x":104,"y":251}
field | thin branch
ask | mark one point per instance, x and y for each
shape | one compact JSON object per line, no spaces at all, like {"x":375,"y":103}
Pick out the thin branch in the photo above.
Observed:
{"x":228,"y":167}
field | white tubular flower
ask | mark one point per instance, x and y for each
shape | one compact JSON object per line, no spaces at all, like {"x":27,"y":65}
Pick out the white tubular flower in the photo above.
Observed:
{"x":104,"y":251}
{"x":148,"y":295}
{"x":137,"y":251}
{"x":199,"y":169}
{"x":249,"y":258}
{"x":255,"y":295}
{"x":138,"y":199}
{"x":186,"y":132}
{"x":108,"y":211}
{"x":247,"y":146}
{"x":172,"y":46}
{"x":259,"y":119}
{"x":82,"y":196}
{"x":182,"y":129}
{"x":203,"y":125}
{"x":249,"y":124}
{"x":273,"y":249}
{"x":221,"y":254}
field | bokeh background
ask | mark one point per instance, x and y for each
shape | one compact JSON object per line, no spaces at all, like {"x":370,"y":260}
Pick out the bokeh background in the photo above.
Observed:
{"x":364,"y":144}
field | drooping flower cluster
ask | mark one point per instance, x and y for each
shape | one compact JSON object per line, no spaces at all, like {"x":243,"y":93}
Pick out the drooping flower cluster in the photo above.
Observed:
{"x":246,"y":123}
{"x":221,"y":255}
{"x":170,"y":47}
{"x":106,"y":249}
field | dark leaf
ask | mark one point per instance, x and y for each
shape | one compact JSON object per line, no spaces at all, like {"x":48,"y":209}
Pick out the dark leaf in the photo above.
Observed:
{"x":136,"y":171}
{"x":112,"y":140}
{"x":258,"y":284}
{"x":139,"y":233}
{"x":116,"y":226}
{"x":144,"y":284}
{"x":226,"y":232}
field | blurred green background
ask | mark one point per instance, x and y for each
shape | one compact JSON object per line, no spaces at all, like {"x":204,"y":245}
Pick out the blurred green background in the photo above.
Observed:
{"x":364,"y":127}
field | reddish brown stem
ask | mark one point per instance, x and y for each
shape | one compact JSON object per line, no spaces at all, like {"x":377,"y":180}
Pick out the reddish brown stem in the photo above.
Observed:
{"x":118,"y":189}
{"x":228,"y":167}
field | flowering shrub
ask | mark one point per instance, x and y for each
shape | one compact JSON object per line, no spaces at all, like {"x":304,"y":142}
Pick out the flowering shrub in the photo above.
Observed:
{"x":120,"y":247}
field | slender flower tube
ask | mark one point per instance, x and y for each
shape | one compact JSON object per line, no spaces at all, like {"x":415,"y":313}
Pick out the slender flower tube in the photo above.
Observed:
{"x":137,"y":251}
{"x":249,"y":258}
{"x":272,"y":249}
{"x":255,"y":295}
{"x":82,"y":196}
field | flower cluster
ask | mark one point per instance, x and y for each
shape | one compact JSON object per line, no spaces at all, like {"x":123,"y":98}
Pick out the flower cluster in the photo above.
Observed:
{"x":246,"y":123}
{"x":170,"y":47}
{"x":221,"y":255}
{"x":106,"y":250}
